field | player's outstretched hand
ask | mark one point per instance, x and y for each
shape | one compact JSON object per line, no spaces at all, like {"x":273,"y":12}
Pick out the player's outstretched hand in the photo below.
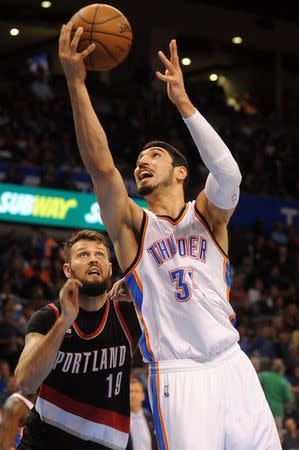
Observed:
{"x":173,"y":75}
{"x":118,"y":289}
{"x":69,"y":300}
{"x":71,"y":60}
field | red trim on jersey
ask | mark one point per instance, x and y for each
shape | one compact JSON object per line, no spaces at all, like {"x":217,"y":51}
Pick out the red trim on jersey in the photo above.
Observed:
{"x":55,"y":309}
{"x":88,"y":412}
{"x":124,"y":325}
{"x":98,"y":330}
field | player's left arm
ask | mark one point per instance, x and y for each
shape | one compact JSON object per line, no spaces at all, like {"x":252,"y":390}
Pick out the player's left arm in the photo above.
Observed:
{"x":220,"y":196}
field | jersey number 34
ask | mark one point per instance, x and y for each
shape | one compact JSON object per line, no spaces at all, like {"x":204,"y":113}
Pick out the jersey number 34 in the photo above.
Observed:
{"x":184,"y":283}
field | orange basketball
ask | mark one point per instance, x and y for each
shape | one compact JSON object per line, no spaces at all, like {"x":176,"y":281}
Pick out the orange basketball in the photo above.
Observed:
{"x":109,"y":29}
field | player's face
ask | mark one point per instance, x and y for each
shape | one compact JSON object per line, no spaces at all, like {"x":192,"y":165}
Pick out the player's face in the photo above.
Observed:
{"x":89,"y":263}
{"x":154,"y":170}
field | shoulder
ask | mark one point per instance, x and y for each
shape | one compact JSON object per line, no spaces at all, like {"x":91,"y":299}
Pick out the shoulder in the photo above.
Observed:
{"x":43,"y":319}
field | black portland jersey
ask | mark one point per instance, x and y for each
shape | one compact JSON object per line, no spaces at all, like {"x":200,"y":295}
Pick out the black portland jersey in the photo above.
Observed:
{"x":87,"y":392}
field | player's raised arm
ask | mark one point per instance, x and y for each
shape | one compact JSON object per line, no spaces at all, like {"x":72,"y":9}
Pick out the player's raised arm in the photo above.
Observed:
{"x":116,"y":209}
{"x":221,"y":192}
{"x":38,"y":356}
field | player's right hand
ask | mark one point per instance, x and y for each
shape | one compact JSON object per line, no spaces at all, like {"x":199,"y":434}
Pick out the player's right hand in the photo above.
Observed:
{"x":173,"y":74}
{"x":71,"y":60}
{"x":69,"y":299}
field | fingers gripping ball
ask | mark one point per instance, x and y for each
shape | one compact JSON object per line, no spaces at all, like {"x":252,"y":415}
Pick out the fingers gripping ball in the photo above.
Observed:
{"x":109,"y":30}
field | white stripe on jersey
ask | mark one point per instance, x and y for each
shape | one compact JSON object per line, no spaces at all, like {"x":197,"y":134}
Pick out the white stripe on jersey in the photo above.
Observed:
{"x":80,"y":427}
{"x":180,"y":285}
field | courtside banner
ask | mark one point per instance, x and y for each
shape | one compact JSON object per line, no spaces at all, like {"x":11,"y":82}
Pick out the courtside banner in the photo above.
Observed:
{"x":269,"y":210}
{"x":51,"y":207}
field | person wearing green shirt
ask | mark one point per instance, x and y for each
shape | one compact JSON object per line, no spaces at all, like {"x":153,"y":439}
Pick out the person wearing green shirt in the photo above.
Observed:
{"x":277,"y":390}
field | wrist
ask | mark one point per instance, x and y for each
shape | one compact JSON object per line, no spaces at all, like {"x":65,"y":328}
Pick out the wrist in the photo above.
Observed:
{"x":75,"y":83}
{"x":185,"y":107}
{"x":64,"y":322}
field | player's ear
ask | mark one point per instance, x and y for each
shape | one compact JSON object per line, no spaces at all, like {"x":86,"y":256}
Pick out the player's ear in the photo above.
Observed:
{"x":181,"y":173}
{"x":67,"y":270}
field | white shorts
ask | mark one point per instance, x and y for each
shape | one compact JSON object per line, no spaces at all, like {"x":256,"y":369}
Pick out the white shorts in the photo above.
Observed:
{"x":214,"y":405}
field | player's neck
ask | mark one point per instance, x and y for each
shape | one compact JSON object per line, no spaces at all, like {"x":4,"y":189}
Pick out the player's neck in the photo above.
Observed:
{"x":166,"y":204}
{"x":92,"y":303}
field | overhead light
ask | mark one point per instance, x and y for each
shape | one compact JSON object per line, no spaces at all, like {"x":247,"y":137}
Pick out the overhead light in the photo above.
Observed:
{"x":186,"y":61}
{"x":14,"y":32}
{"x":237,"y":40}
{"x":46,"y":4}
{"x":213,"y":77}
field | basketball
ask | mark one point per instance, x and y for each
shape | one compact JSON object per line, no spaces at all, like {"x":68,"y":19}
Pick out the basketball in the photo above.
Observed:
{"x":109,"y":30}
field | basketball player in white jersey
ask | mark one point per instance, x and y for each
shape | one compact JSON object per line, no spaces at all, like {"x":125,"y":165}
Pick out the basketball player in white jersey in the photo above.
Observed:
{"x":205,"y":394}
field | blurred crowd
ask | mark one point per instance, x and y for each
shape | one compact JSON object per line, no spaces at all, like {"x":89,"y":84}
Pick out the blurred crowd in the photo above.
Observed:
{"x":38,"y":148}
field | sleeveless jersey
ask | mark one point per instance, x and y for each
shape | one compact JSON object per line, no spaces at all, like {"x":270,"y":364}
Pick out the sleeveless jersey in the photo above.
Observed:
{"x":180,"y":284}
{"x":86,"y":395}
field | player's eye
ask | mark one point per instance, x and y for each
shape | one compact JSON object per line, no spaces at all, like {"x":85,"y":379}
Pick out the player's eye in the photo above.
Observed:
{"x":83,"y":254}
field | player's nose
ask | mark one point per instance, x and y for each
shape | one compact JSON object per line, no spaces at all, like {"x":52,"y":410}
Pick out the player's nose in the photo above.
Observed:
{"x":94,"y":259}
{"x":143,"y":163}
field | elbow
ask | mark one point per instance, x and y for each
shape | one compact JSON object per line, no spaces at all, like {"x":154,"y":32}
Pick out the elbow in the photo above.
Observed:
{"x":238,"y":175}
{"x":105,"y":172}
{"x":24,"y":382}
{"x":235,"y":176}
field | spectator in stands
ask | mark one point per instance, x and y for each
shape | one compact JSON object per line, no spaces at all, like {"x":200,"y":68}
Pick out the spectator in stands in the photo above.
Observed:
{"x":40,"y":86}
{"x":290,"y":440}
{"x":279,"y":234}
{"x":5,"y":374}
{"x":294,"y":381}
{"x":10,"y":388}
{"x":142,"y":427}
{"x":11,"y":340}
{"x":257,"y":363}
{"x":277,"y":390}
{"x":263,"y":343}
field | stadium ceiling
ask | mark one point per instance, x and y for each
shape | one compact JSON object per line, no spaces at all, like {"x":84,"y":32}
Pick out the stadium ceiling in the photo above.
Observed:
{"x":40,"y":26}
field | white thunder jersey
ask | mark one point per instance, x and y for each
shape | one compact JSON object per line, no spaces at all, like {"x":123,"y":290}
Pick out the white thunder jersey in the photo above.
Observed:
{"x":180,"y":286}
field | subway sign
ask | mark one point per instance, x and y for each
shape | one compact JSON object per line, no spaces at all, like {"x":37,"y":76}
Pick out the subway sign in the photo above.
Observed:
{"x":51,"y":207}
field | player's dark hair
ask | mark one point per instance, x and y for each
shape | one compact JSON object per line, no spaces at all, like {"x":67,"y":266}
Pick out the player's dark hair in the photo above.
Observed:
{"x":87,"y":235}
{"x":178,"y":159}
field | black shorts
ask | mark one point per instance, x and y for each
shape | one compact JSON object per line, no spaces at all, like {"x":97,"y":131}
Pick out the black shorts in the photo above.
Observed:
{"x":38,"y":435}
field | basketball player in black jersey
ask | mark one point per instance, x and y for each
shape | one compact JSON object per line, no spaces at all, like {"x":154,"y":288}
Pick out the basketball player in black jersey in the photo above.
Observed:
{"x":78,"y":351}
